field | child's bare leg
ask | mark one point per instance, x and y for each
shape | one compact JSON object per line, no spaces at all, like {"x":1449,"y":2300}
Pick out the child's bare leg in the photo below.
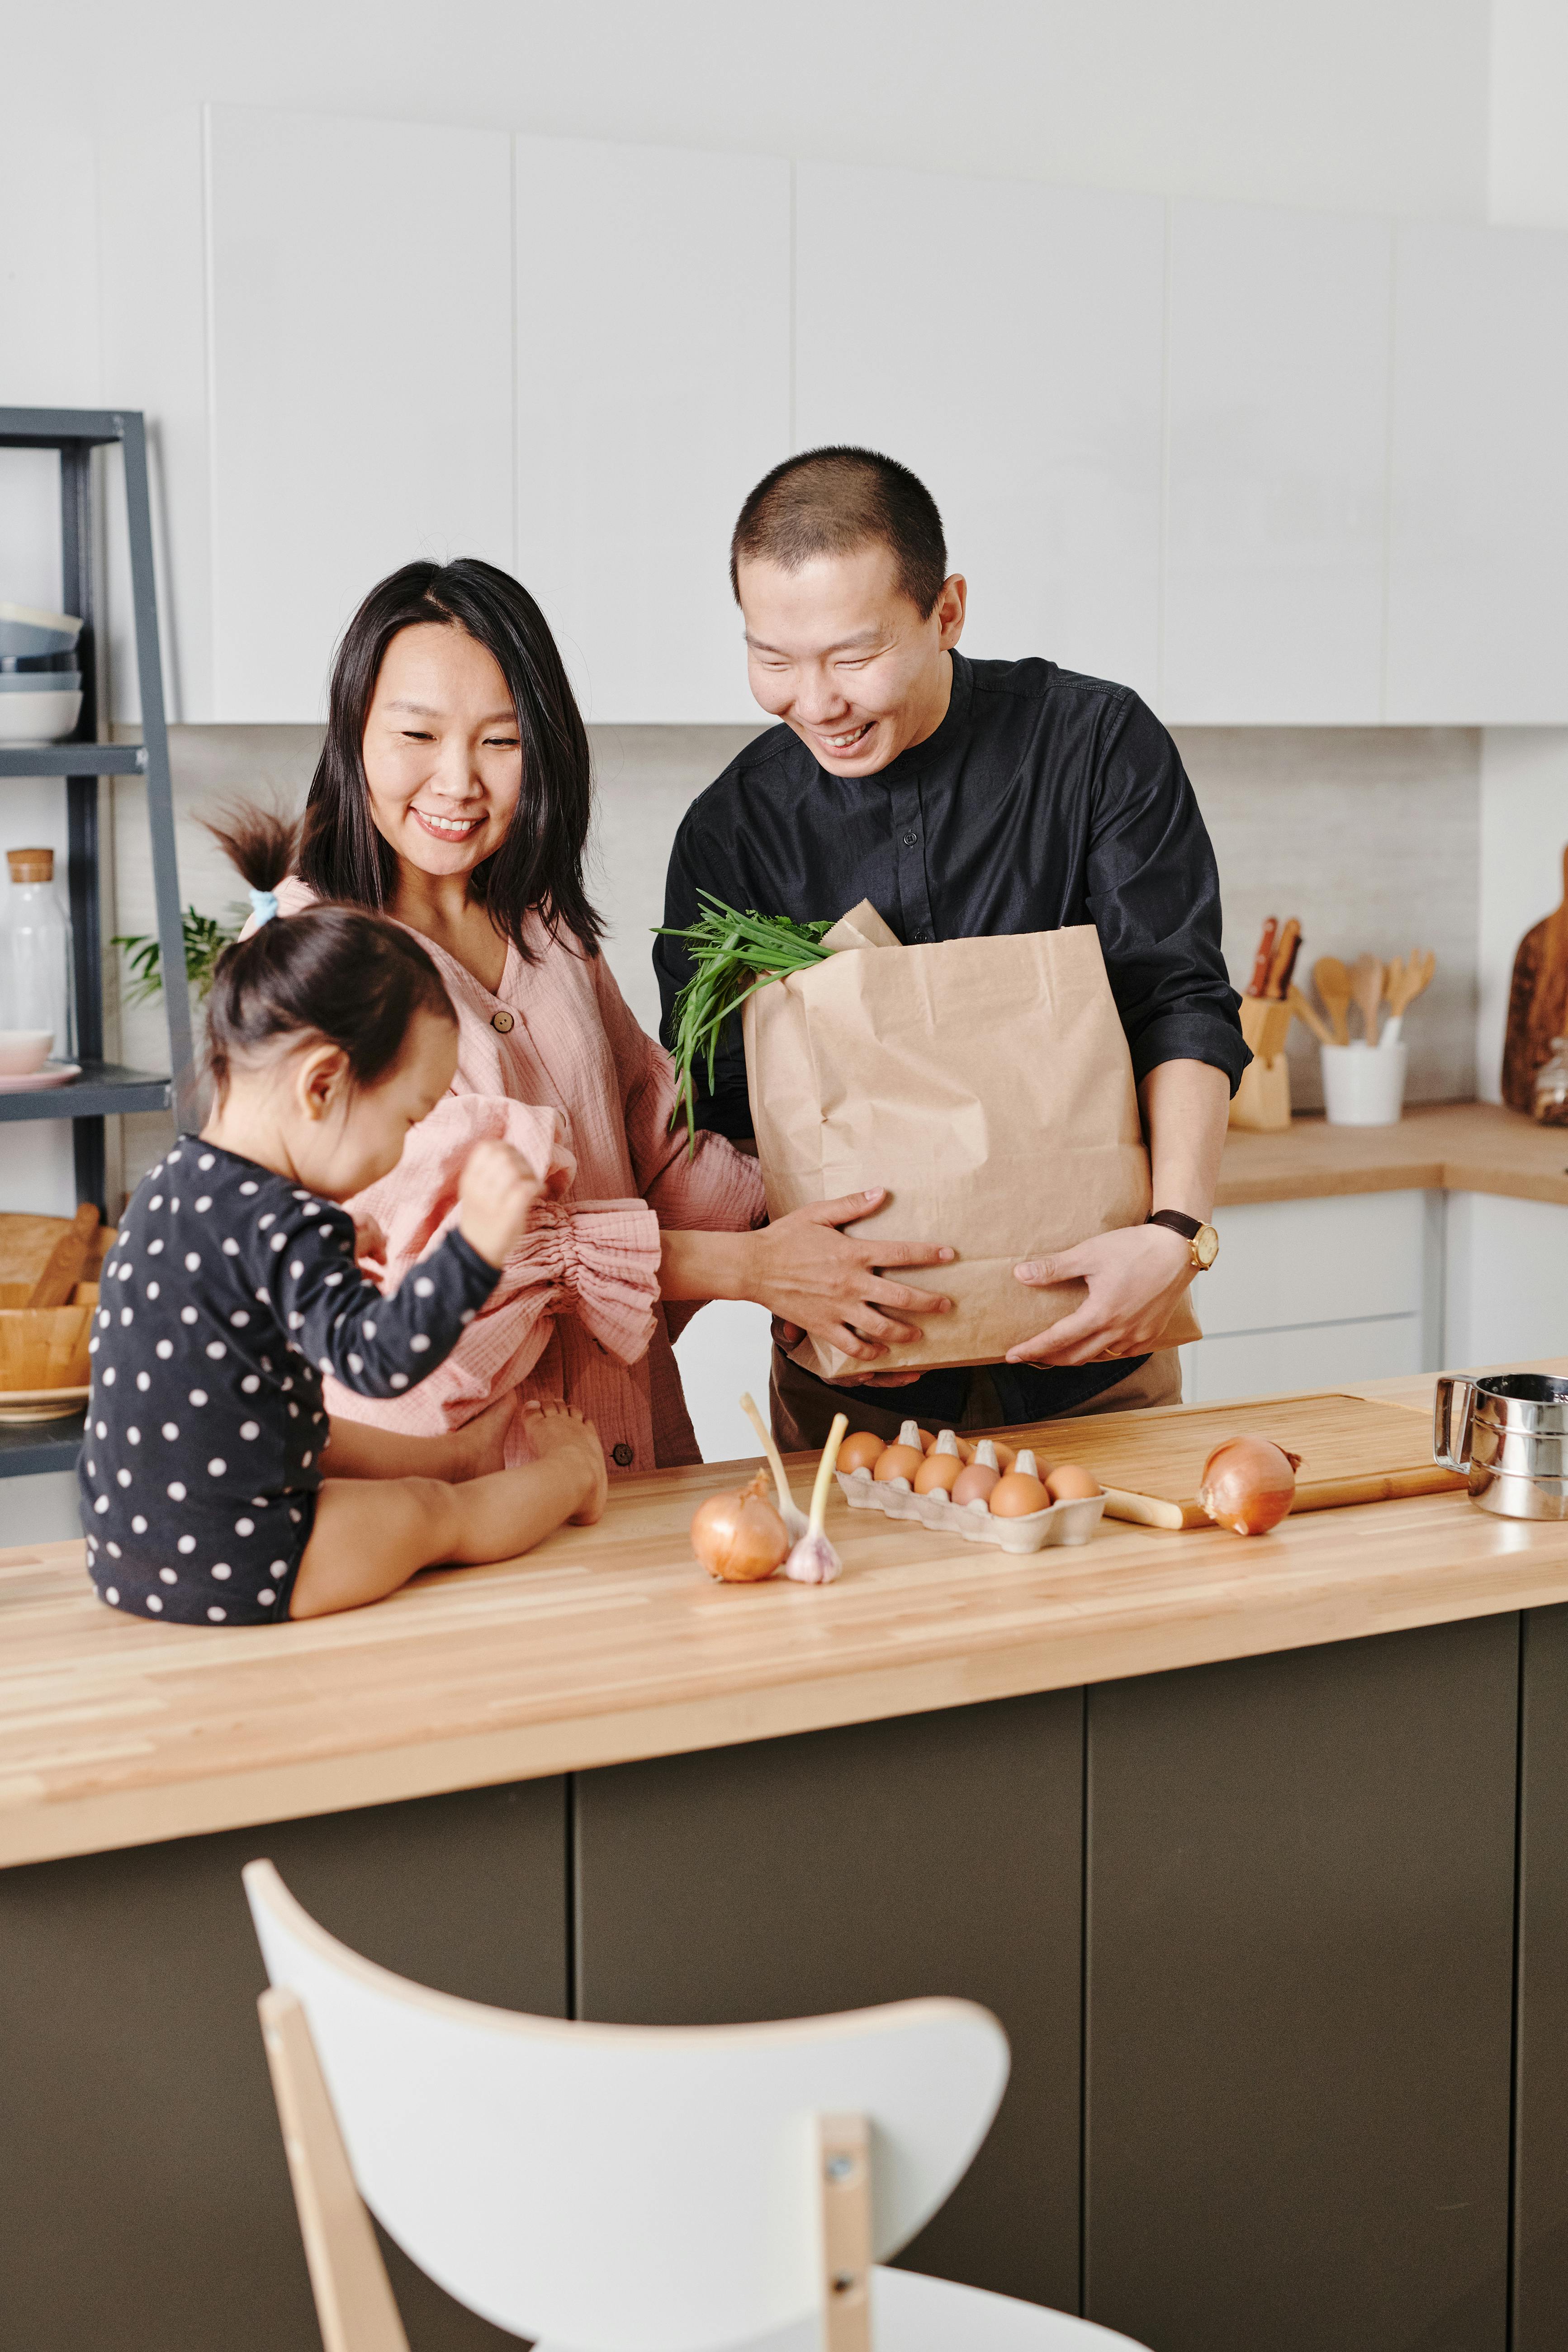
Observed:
{"x":372,"y":1535}
{"x":360,"y":1449}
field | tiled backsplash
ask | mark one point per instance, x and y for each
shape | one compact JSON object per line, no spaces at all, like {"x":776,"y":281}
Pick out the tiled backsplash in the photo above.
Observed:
{"x":1370,"y":835}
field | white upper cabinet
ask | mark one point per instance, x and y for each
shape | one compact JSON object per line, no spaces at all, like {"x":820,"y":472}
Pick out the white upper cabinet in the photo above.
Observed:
{"x":360,"y":352}
{"x":652,"y":392}
{"x":1276,"y":467}
{"x":1004,"y":340}
{"x":1478,"y":566}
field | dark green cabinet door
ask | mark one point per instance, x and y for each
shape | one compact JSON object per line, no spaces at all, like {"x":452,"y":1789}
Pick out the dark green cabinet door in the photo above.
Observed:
{"x":143,"y":2185}
{"x":1541,"y":2219}
{"x":937,"y":1855}
{"x":1299,"y":1986}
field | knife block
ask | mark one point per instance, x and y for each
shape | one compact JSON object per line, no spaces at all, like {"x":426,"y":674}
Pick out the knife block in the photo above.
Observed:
{"x":1262,"y":1101}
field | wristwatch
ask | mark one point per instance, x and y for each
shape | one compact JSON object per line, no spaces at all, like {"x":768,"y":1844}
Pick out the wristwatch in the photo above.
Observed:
{"x":1204,"y":1240}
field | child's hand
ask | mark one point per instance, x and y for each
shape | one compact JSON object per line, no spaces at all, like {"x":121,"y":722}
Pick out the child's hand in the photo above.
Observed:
{"x":370,"y":1242}
{"x":561,"y":1429}
{"x":496,"y":1193}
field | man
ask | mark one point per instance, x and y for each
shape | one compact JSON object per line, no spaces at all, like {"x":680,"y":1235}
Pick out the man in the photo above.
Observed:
{"x":967,"y":798}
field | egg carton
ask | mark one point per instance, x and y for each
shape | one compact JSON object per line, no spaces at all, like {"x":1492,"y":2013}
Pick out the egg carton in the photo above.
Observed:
{"x":1071,"y":1522}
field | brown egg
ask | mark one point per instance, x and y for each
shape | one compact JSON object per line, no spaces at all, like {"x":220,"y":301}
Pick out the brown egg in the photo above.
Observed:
{"x":1006,"y":1455}
{"x":974,"y":1483}
{"x":897,"y":1462}
{"x":1069,"y":1484}
{"x":928,"y":1439}
{"x":860,"y":1451}
{"x":944,"y":1470}
{"x":1015,"y":1495}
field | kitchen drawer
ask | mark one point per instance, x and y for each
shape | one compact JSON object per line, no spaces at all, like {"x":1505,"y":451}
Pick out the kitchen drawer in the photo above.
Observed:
{"x":1318,"y":1355}
{"x":1342,"y":1260}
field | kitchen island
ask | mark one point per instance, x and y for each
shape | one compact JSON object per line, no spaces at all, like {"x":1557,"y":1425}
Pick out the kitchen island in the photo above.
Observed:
{"x":1258,"y":1850}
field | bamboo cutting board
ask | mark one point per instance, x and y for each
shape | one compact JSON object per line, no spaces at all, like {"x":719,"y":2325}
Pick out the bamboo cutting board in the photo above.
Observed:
{"x":1151,"y":1463}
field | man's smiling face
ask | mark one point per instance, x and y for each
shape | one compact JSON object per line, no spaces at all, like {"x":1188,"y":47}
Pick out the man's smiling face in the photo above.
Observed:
{"x":837,"y":651}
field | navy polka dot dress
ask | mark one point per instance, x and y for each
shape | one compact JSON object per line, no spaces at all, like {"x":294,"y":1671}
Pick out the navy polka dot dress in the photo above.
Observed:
{"x":229,"y":1293}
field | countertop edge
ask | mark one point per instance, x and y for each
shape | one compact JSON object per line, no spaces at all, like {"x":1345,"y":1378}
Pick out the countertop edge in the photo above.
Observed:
{"x":1007,"y":1669}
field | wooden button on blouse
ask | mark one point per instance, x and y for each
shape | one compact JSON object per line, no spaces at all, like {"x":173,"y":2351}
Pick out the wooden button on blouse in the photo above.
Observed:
{"x":502,"y":1021}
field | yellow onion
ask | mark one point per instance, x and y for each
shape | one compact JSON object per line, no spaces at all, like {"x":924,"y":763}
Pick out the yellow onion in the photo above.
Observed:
{"x":1248,"y":1485}
{"x":740,"y":1538}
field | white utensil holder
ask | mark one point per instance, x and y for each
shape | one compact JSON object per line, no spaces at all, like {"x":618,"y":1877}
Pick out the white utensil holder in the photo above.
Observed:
{"x":1363,"y":1086}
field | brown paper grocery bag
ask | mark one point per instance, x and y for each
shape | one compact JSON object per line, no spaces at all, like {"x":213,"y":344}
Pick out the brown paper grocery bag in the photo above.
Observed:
{"x":987,"y":1083}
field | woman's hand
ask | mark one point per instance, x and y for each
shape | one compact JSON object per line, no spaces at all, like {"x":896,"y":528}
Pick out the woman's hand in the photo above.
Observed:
{"x":496,"y":1193}
{"x":1135,"y":1276}
{"x":811,"y":1274}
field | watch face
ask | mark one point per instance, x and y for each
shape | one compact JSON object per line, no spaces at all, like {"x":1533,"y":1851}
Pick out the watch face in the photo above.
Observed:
{"x":1205,"y":1245}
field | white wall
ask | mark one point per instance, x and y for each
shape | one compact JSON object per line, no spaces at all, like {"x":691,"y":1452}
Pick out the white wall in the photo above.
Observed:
{"x":1355,"y":105}
{"x":1527,"y":120}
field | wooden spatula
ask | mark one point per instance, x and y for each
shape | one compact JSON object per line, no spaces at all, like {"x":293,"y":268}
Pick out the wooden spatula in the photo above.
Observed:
{"x":62,"y":1271}
{"x":1408,"y":976}
{"x":1332,"y":982}
{"x":1366,"y":987}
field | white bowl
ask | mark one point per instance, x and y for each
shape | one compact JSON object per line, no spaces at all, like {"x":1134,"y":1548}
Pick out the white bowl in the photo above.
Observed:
{"x":28,"y":631}
{"x":38,"y":717}
{"x":22,"y":1051}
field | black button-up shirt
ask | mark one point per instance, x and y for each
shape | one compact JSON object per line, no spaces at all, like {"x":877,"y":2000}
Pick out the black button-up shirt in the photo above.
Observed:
{"x":1043,"y":799}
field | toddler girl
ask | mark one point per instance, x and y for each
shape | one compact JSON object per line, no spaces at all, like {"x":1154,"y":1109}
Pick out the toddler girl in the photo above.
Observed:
{"x":214,"y":1488}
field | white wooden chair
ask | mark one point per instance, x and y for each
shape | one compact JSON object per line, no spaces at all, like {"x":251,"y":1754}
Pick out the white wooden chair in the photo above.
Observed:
{"x":630,"y":2188}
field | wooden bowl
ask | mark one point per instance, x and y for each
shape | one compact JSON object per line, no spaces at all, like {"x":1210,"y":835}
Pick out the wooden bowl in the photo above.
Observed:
{"x":45,"y":1346}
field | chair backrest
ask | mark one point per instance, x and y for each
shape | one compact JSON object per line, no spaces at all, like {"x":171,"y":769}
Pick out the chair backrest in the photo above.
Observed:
{"x":635,"y":2189}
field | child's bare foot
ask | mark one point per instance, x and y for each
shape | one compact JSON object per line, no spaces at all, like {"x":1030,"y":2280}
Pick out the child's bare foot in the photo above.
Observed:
{"x":482,"y":1442}
{"x":561,"y":1429}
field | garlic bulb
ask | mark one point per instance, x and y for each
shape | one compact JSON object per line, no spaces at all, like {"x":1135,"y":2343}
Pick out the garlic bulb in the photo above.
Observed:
{"x":814,"y":1560}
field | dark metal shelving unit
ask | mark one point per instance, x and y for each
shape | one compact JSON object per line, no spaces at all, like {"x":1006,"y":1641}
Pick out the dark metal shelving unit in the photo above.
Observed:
{"x":104,"y":1088}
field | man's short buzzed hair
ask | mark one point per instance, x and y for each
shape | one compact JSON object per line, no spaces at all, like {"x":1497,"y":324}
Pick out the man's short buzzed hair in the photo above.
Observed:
{"x":831,"y":502}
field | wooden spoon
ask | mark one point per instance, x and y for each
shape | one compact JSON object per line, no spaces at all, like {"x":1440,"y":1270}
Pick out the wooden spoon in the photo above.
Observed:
{"x":62,"y":1269}
{"x":1332,"y":982}
{"x":1408,"y":976}
{"x":1366,"y":988}
{"x":1304,"y":1011}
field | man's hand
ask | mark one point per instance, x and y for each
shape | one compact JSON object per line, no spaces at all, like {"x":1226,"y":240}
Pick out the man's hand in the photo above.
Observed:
{"x":1135,"y":1276}
{"x":814,"y":1276}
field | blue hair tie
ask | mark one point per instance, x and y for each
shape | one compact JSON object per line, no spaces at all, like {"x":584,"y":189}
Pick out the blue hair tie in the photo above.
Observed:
{"x":263,"y":905}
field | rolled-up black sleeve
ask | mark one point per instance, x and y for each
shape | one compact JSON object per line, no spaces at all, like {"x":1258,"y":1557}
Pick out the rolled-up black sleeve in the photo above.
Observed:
{"x":1154,"y":897}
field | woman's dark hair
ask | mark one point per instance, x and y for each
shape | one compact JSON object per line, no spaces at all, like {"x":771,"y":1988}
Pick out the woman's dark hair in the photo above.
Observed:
{"x":353,"y":980}
{"x":540,"y":863}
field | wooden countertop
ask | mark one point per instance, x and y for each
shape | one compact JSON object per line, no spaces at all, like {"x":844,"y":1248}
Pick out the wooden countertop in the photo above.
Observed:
{"x":1437,"y":1147}
{"x":609,"y":1643}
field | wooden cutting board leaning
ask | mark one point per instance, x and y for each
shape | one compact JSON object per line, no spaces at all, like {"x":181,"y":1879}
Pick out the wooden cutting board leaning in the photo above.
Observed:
{"x":1538,"y":1002}
{"x":1151,"y":1463}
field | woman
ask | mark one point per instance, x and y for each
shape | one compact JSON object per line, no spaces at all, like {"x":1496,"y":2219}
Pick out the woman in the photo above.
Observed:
{"x":453,"y":793}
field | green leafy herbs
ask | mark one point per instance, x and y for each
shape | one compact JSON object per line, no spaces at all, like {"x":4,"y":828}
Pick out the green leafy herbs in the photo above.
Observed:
{"x":733,"y":955}
{"x":206,"y":938}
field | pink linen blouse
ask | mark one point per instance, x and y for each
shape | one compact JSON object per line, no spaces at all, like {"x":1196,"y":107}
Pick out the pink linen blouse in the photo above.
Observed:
{"x":554,"y":1062}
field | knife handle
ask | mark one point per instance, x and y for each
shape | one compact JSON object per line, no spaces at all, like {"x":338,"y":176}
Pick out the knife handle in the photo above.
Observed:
{"x":1260,"y":980}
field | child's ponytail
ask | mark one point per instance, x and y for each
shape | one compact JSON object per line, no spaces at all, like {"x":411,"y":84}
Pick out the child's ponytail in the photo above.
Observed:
{"x":341,"y":974}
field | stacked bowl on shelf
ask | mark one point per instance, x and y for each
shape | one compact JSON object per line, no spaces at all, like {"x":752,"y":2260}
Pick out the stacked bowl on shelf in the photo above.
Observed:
{"x":39,"y":703}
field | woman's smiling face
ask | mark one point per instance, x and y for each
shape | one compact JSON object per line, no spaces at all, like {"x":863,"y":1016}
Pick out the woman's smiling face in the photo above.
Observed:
{"x":443,"y":759}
